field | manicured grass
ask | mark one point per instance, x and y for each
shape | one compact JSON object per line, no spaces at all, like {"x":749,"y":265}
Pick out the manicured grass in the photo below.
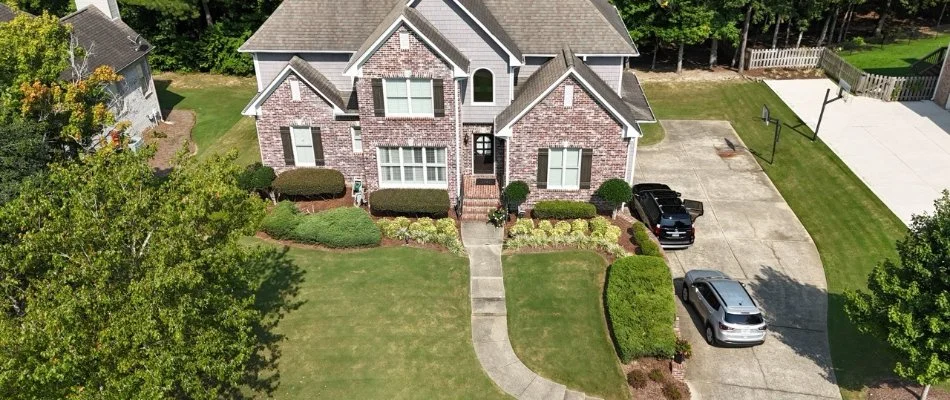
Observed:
{"x":895,"y":58}
{"x":852,"y":228}
{"x":556,"y":320}
{"x":387,"y":323}
{"x":652,"y":134}
{"x":217,"y":101}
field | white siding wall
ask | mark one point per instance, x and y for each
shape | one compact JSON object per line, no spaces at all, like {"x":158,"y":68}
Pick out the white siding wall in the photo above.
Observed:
{"x":330,"y":65}
{"x":136,"y":100}
{"x":479,"y":48}
{"x":610,"y":69}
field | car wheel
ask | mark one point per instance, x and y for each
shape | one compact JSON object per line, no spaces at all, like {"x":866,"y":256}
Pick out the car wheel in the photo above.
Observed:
{"x":710,"y":336}
{"x":685,"y":294}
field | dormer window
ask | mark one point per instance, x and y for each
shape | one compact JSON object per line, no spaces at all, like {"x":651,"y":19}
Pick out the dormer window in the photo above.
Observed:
{"x":483,"y":87}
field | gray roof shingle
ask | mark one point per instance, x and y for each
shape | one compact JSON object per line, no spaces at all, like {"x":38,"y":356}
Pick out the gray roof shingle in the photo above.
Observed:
{"x":6,"y":13}
{"x":548,"y":75}
{"x":525,"y":26}
{"x":110,"y":42}
{"x":632,"y":94}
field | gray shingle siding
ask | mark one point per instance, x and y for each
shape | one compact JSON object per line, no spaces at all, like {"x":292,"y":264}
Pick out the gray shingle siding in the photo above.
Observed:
{"x":481,"y":51}
{"x":329,"y":64}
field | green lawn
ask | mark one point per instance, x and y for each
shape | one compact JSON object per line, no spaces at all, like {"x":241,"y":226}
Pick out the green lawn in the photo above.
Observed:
{"x":387,"y":323}
{"x":895,"y":58}
{"x":556,"y":320}
{"x":652,"y":134}
{"x":850,"y":225}
{"x":217,"y":102}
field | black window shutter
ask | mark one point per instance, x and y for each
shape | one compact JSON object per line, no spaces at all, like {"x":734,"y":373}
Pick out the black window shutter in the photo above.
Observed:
{"x":379,"y":103}
{"x":438,"y":97}
{"x":542,"y":168}
{"x":317,"y":146}
{"x":587,"y":157}
{"x":288,"y":144}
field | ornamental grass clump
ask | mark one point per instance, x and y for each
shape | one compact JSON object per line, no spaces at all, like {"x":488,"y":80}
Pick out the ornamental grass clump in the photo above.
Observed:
{"x":425,"y":230}
{"x":523,"y":233}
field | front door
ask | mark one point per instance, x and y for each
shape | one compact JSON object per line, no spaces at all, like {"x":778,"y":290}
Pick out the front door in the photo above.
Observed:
{"x":483,"y":156}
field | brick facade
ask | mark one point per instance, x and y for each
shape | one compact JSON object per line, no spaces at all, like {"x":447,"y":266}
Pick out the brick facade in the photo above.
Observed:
{"x":418,"y":61}
{"x":586,"y":125}
{"x":312,"y":110}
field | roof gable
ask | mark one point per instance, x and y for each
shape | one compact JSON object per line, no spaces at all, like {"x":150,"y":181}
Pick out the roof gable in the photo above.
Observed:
{"x":484,"y":19}
{"x":403,"y":15}
{"x":309,"y":75}
{"x":548,"y":77}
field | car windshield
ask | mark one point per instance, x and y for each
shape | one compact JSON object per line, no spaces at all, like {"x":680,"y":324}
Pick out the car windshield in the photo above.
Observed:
{"x":678,"y":220}
{"x":744,"y":319}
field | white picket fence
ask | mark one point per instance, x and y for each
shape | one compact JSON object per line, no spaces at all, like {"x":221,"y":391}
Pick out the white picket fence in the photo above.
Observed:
{"x":802,"y":57}
{"x":887,"y":88}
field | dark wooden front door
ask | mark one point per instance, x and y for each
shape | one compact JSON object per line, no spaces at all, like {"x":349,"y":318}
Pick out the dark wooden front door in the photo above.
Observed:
{"x":483,"y":156}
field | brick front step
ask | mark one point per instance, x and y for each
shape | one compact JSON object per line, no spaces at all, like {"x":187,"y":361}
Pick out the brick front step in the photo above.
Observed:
{"x":480,"y":202}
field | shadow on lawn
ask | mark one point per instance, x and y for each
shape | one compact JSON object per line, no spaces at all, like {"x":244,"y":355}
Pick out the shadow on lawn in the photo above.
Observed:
{"x":280,"y":282}
{"x":166,"y":98}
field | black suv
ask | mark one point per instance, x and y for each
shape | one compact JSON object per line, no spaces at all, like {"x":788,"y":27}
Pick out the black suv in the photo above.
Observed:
{"x":670,"y":217}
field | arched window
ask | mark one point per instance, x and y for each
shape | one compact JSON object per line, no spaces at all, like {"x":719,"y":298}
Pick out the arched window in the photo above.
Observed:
{"x":484,"y":87}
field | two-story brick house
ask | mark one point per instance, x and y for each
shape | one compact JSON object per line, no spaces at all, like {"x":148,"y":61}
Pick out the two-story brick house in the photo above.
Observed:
{"x":462,"y":95}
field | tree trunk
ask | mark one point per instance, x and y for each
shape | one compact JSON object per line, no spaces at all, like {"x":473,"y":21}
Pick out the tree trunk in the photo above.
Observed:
{"x":824,"y":31}
{"x":923,"y":396}
{"x":713,"y":53}
{"x":745,"y":38}
{"x":656,"y":49}
{"x":788,"y":31}
{"x":798,"y":43}
{"x":778,"y":25}
{"x":879,"y":29}
{"x":679,"y":58}
{"x":208,"y":19}
{"x":847,"y":23}
{"x":834,"y":24}
{"x":942,"y":10}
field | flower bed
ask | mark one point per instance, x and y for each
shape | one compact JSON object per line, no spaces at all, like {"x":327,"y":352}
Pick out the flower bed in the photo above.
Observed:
{"x":594,"y":234}
{"x":424,"y":231}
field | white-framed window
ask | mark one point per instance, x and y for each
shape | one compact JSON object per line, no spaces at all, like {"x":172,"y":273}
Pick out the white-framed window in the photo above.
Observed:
{"x":408,"y":97}
{"x":412,"y":167}
{"x":564,"y":168}
{"x":568,"y":96}
{"x":404,"y":40}
{"x":295,"y":90}
{"x":483,"y":87}
{"x":303,"y":146}
{"x":357,"y":134}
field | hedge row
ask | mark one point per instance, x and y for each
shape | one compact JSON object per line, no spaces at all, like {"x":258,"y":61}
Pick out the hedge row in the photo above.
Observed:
{"x":645,"y":242}
{"x":310,"y":182}
{"x":340,"y":227}
{"x":640,"y":307}
{"x":563,"y":209}
{"x":412,"y":202}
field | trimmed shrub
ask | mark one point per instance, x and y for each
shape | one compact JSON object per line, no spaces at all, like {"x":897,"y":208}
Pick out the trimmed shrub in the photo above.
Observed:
{"x":640,"y":307}
{"x":423,"y":230}
{"x":561,"y":228}
{"x":563,"y":209}
{"x":415,"y":202}
{"x":656,"y":376}
{"x":645,"y":242}
{"x":579,"y":225}
{"x":340,"y":227}
{"x":522,"y":226}
{"x":281,"y":221}
{"x":546,"y":226}
{"x":637,"y":379}
{"x":446,"y":226}
{"x":671,"y":392}
{"x":256,"y":177}
{"x":517,"y":192}
{"x":599,"y":224}
{"x":310,"y":182}
{"x":615,"y":191}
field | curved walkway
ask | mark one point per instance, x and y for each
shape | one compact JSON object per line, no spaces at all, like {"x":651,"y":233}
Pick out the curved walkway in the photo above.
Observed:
{"x":490,"y":320}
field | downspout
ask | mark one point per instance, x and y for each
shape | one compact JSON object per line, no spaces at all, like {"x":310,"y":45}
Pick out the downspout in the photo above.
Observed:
{"x":458,"y":149}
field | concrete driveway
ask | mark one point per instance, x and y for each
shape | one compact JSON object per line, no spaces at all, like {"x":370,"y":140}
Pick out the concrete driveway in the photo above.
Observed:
{"x":901,"y":150}
{"x":749,"y":232}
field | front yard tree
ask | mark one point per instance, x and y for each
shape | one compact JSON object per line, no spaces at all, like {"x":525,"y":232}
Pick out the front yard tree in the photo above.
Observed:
{"x":908,"y":301}
{"x":35,"y":49}
{"x":116,"y":283}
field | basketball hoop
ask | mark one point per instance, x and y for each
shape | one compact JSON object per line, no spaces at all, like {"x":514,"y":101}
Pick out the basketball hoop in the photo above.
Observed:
{"x":766,"y":115}
{"x":844,"y":90}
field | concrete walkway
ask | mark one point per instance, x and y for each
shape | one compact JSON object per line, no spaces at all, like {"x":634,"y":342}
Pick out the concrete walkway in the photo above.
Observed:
{"x":901,"y":150}
{"x":490,"y":320}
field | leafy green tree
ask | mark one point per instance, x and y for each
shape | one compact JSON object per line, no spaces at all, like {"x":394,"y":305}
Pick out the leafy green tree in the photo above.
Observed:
{"x":684,"y":22}
{"x":37,"y":7}
{"x":724,"y":26}
{"x":23,"y":153}
{"x":908,"y":301}
{"x":35,"y":49}
{"x":640,"y":17}
{"x":615,"y":191}
{"x":118,"y":284}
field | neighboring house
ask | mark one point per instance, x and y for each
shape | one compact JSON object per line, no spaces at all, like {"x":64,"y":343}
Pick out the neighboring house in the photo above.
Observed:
{"x":98,"y":28}
{"x":462,"y":95}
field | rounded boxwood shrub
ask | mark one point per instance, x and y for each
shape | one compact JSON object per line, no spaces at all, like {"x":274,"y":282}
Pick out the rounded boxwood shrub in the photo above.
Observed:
{"x":256,"y":177}
{"x":615,"y":191}
{"x":339,"y":227}
{"x":645,"y":242}
{"x":640,"y":307}
{"x":415,"y":202}
{"x":281,"y":221}
{"x":310,"y":182}
{"x":563,"y":209}
{"x":517,"y":192}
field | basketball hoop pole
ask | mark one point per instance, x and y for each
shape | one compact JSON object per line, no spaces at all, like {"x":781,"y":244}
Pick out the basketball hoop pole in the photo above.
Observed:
{"x":823,"y":105}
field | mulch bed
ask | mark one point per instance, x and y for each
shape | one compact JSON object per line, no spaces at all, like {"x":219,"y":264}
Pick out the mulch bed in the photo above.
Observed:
{"x":317,"y":205}
{"x":653,"y":390}
{"x":897,"y":390}
{"x":176,"y":129}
